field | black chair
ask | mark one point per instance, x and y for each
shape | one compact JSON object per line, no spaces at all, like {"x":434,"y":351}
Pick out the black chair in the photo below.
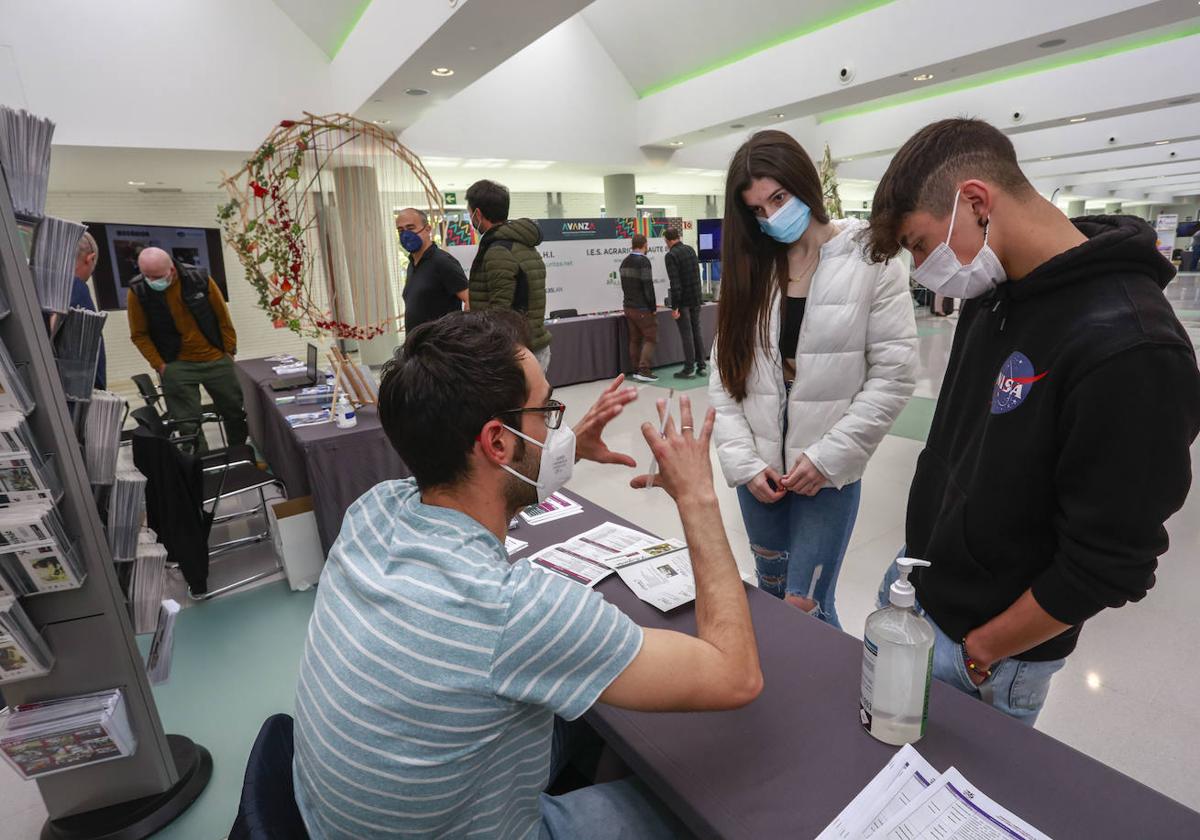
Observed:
{"x":267,"y":809}
{"x":153,"y":394}
{"x":225,"y":474}
{"x":563,"y":313}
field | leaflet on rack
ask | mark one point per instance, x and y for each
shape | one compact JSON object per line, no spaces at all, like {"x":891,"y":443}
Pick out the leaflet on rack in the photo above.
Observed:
{"x":865,"y":807}
{"x":662,"y":579}
{"x":953,"y":809}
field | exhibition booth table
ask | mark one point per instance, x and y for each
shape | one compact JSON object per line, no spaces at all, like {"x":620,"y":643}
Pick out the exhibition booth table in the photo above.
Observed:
{"x":787,"y":764}
{"x":335,"y":466}
{"x":592,"y":347}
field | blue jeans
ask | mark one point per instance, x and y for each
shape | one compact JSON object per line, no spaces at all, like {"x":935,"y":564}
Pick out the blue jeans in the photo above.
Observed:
{"x":621,"y":810}
{"x":1015,"y":687}
{"x":799,"y":543}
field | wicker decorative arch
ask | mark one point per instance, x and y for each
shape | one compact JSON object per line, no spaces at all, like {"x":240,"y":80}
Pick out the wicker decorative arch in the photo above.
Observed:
{"x":311,"y":218}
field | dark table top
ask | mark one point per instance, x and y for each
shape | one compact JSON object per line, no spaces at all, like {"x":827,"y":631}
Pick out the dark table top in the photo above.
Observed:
{"x":787,"y":764}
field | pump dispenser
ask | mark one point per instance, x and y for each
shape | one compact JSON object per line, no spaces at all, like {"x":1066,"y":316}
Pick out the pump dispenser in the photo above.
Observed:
{"x":897,"y":665}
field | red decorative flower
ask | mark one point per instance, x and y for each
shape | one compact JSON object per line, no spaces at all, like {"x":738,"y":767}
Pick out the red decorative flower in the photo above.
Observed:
{"x":286,"y":123}
{"x":259,"y":190}
{"x":276,"y":301}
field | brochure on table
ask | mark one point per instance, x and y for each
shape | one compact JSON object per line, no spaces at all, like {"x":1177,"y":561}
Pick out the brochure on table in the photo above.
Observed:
{"x":909,"y":800}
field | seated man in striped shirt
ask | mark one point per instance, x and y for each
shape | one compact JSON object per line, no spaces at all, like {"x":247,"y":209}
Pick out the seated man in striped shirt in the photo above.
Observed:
{"x":434,"y":668}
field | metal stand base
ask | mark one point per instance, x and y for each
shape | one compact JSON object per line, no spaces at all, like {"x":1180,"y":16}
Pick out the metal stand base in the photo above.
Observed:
{"x":140,"y":818}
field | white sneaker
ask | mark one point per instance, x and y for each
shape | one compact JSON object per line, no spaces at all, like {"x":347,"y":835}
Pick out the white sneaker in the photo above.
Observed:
{"x":645,"y":377}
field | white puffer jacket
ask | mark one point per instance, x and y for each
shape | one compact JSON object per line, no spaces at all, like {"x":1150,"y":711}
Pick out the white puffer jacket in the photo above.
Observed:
{"x":855,"y":371}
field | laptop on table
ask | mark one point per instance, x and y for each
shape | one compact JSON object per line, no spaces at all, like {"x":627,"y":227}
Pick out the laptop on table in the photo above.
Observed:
{"x":300,"y":380}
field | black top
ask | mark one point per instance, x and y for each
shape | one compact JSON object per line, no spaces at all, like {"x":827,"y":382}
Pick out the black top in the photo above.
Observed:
{"x":683,"y":270}
{"x":637,"y":282}
{"x":1060,"y":443}
{"x":793,"y":317}
{"x":431,"y":289}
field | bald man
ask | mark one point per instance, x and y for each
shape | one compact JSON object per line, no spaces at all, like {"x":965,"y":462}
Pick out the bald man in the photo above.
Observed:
{"x":179,"y":322}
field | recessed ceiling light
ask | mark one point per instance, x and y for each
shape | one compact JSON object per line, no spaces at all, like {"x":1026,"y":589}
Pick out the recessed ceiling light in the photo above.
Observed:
{"x":472,"y":48}
{"x":381,"y":122}
{"x":1053,"y":42}
{"x":1161,"y":142}
{"x":1077,"y":119}
{"x":417,"y":92}
{"x":442,"y":72}
{"x":136,"y":183}
{"x":1046,"y":158}
{"x":922,"y":77}
{"x":738,"y":125}
{"x":847,"y":160}
{"x":780,"y":116}
{"x":675,"y":143}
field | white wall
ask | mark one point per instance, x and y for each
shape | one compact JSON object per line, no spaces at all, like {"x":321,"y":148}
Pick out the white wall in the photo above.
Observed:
{"x":256,"y":336}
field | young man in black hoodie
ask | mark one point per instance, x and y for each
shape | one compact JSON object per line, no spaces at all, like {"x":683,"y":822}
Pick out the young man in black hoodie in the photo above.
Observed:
{"x":1060,"y":444}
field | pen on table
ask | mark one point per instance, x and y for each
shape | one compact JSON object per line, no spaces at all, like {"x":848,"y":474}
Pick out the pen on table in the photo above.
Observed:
{"x":662,"y":430}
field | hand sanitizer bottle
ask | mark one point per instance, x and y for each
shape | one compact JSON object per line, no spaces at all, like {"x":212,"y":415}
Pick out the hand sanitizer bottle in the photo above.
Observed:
{"x":345,"y":416}
{"x":897,"y":665}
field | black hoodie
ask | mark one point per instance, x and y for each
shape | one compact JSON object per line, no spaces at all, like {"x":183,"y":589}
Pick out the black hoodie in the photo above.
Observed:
{"x":1061,"y":440}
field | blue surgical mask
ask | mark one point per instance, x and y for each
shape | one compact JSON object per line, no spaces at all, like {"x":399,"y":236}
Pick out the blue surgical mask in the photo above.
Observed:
{"x":411,"y":241}
{"x":788,"y":223}
{"x":159,"y":285}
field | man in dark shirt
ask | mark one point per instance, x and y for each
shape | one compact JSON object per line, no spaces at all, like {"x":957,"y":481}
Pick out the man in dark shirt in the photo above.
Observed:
{"x":637,"y":284}
{"x":437,"y":284}
{"x":683,"y":270}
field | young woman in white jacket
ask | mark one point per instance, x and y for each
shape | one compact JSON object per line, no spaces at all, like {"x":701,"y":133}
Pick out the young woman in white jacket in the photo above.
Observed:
{"x":815,"y":357}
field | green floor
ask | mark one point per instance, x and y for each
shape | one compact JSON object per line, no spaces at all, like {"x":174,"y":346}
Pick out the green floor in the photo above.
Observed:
{"x":666,"y":379}
{"x":916,"y":418}
{"x":236,"y":663}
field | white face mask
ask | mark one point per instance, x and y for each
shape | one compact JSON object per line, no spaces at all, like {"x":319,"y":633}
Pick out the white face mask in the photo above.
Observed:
{"x":943,"y":274}
{"x":558,"y":460}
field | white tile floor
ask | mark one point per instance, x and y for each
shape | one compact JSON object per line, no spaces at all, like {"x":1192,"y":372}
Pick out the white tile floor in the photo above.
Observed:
{"x":1126,"y":696}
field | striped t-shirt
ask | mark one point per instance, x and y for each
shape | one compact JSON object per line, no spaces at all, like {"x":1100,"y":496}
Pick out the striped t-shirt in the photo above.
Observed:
{"x":432,"y":672}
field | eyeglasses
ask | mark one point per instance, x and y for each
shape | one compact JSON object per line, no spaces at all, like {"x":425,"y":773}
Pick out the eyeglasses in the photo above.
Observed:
{"x":552,"y":412}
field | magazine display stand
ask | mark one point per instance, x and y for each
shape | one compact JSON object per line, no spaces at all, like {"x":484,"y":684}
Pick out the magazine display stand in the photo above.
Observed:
{"x":88,"y":629}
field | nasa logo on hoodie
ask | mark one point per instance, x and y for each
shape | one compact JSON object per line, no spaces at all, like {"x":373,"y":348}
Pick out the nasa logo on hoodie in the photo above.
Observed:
{"x":1014,"y":384}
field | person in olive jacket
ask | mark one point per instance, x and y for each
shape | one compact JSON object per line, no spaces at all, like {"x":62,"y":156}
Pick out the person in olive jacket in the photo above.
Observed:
{"x":508,"y":271}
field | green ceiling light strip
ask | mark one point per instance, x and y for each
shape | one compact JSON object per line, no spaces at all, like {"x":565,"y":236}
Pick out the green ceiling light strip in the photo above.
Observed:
{"x":983,"y":79}
{"x":362,"y":10}
{"x":824,"y":23}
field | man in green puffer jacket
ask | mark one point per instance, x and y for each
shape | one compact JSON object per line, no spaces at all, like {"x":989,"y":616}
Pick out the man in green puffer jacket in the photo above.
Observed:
{"x":508,"y":272}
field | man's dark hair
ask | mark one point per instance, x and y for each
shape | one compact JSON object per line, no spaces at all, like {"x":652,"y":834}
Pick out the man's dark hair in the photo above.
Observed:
{"x":924,"y":174}
{"x":452,"y":376}
{"x":671,"y":234}
{"x":490,"y":198}
{"x":638,"y":241}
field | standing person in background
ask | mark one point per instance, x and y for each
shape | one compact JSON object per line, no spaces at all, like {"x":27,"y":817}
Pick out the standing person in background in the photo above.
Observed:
{"x":1195,"y":250}
{"x":179,"y":322}
{"x":85,"y":263}
{"x":637,"y":285}
{"x":683,"y":270}
{"x":815,"y":357}
{"x":436,"y":284}
{"x":508,"y":271}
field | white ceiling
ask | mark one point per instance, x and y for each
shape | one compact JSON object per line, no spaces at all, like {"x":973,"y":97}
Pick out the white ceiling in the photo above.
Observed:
{"x":550,"y":95}
{"x":325,"y":22}
{"x":652,"y":45}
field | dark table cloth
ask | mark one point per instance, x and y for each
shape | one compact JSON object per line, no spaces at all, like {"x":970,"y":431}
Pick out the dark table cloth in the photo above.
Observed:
{"x":787,"y":764}
{"x":335,"y":466}
{"x":583,"y":349}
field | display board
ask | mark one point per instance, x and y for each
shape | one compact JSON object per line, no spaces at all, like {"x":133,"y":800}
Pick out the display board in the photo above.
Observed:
{"x":1165,"y":227}
{"x":583,"y":258}
{"x":120,"y":245}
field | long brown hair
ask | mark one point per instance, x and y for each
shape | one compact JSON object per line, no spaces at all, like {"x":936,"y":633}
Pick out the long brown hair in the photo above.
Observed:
{"x":753,"y":265}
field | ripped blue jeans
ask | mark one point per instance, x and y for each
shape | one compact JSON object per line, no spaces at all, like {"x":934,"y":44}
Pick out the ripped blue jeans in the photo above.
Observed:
{"x":799,"y":543}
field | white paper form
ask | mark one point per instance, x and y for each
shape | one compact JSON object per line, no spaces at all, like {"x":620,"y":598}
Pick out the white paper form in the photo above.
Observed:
{"x":653,"y":548}
{"x":664,"y":581}
{"x":906,"y":787}
{"x":610,"y":540}
{"x":556,"y":506}
{"x":512,"y":545}
{"x":954,"y":809}
{"x":860,"y":808}
{"x":560,"y":560}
